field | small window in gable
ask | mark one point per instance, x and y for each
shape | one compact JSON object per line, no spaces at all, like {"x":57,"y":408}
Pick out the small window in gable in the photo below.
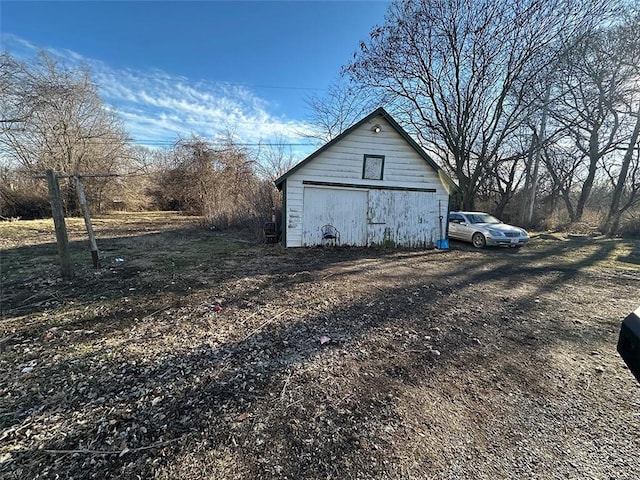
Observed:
{"x":373,"y":167}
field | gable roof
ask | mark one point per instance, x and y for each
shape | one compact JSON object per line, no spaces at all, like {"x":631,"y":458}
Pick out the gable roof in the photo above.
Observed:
{"x":379,"y":112}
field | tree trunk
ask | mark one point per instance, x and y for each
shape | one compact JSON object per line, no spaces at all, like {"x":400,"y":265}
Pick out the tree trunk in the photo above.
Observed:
{"x":615,"y":212}
{"x":588,"y":183}
{"x":524,"y":206}
{"x":468,"y":198}
{"x":538,"y":154}
{"x":467,"y":189}
{"x":501,"y":205}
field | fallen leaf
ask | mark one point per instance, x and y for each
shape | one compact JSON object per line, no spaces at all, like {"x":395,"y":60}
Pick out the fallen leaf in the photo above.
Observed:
{"x":243,"y":416}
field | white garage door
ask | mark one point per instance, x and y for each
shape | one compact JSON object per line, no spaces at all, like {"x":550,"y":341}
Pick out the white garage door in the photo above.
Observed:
{"x":406,"y":218}
{"x":343,"y":208}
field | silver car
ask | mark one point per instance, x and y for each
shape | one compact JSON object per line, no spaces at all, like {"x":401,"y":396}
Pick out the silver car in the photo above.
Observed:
{"x":482,"y":229}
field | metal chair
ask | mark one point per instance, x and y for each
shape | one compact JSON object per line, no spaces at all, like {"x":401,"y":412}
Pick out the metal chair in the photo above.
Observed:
{"x":330,"y":235}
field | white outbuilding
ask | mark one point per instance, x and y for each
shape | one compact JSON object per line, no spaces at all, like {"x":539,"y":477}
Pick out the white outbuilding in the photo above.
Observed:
{"x":371,"y":185}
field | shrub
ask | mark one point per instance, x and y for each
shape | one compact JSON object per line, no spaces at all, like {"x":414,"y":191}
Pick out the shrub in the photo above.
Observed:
{"x":24,"y":203}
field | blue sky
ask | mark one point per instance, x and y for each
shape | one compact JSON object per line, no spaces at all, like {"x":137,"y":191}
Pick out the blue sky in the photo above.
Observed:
{"x":173,"y":68}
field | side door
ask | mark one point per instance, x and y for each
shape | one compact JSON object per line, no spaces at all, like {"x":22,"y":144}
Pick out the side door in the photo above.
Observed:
{"x":455,"y":229}
{"x":465,"y":228}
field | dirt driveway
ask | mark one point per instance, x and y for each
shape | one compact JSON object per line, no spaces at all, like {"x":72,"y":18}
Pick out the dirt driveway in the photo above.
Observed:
{"x":194,"y":354}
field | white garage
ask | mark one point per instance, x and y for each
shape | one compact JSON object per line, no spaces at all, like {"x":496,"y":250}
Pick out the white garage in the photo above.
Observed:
{"x":372,"y":184}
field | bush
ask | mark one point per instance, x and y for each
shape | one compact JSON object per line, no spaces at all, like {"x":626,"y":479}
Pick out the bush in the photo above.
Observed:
{"x":27,"y":204}
{"x":630,"y":227}
{"x":248,"y":211}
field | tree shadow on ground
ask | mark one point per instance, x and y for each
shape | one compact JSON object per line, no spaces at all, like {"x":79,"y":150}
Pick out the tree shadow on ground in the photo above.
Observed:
{"x":283,"y":402}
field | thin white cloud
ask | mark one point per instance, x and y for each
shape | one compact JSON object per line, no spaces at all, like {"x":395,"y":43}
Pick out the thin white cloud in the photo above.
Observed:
{"x":157,"y":107}
{"x":18,"y":45}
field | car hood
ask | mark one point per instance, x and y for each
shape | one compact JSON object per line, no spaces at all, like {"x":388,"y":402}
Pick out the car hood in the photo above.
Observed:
{"x":502,"y":227}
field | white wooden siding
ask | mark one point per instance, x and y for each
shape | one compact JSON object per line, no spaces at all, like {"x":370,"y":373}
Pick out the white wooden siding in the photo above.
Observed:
{"x":412,"y":218}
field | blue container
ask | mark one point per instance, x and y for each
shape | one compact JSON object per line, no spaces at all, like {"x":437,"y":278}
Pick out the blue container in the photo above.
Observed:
{"x":442,"y":244}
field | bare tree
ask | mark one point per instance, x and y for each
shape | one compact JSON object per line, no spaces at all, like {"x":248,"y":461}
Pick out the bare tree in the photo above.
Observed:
{"x":217,"y":182}
{"x":594,"y":113}
{"x":459,"y":71}
{"x":14,"y":106}
{"x":506,"y":176}
{"x":57,"y":120}
{"x":626,"y":184}
{"x":137,"y":186}
{"x":561,"y":163}
{"x":274,"y":159}
{"x":592,"y":83}
{"x":338,"y":108}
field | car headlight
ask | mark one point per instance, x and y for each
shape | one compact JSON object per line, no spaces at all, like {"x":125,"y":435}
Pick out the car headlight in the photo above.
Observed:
{"x":523,"y":233}
{"x":495,"y":233}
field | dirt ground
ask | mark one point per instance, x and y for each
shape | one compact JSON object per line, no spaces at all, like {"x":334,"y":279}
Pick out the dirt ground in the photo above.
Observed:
{"x":196,"y":354}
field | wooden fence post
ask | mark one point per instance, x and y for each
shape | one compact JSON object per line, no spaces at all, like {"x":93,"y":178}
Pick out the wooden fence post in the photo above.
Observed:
{"x":87,"y":222}
{"x":57,"y":211}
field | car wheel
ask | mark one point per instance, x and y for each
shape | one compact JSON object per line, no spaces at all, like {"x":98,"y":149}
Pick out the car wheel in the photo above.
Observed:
{"x":478,"y":240}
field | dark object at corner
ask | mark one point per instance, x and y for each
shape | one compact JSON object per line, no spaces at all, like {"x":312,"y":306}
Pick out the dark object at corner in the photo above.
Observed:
{"x":629,"y":342}
{"x":270,"y":232}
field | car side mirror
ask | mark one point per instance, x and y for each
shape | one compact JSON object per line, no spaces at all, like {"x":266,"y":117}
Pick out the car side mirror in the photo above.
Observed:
{"x":629,"y":342}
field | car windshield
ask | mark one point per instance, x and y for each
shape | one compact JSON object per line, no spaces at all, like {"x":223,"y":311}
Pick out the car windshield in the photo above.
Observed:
{"x":482,"y":218}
